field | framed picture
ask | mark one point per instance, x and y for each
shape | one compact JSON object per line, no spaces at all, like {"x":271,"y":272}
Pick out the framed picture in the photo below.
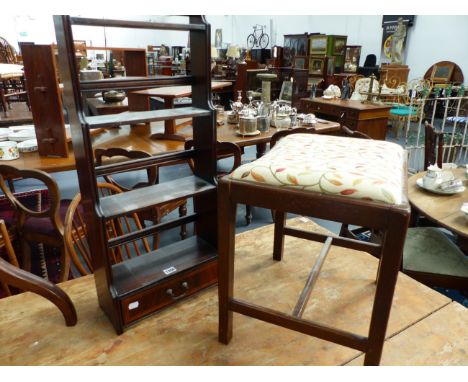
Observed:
{"x":300,"y":62}
{"x":318,"y":44}
{"x":339,"y":45}
{"x":352,"y":56}
{"x":219,"y":38}
{"x":316,"y":65}
{"x":330,"y":66}
{"x":286,"y":91}
{"x":442,"y":72}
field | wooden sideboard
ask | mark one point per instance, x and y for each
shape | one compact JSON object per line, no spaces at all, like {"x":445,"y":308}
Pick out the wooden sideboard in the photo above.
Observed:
{"x":368,"y":119}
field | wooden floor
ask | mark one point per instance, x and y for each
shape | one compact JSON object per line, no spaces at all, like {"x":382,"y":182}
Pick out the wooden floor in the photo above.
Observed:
{"x":18,"y":115}
{"x":425,"y":328}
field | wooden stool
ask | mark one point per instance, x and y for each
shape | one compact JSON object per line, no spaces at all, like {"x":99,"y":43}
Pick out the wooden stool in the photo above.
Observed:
{"x":348,"y":180}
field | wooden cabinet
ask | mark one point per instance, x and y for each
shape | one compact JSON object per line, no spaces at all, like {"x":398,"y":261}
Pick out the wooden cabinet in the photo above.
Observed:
{"x":299,"y":76}
{"x":368,"y":119}
{"x":336,"y":46}
{"x":294,"y":45}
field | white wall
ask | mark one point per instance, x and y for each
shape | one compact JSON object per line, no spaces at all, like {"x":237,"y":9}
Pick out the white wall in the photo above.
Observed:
{"x":431,"y":39}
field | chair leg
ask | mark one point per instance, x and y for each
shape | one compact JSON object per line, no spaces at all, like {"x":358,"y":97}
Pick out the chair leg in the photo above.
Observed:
{"x":183,"y":227}
{"x":278,"y":240}
{"x":26,"y":255}
{"x":64,"y":264}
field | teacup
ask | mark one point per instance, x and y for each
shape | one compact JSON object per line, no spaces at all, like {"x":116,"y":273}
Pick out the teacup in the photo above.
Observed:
{"x":9,"y":150}
{"x":432,"y":179}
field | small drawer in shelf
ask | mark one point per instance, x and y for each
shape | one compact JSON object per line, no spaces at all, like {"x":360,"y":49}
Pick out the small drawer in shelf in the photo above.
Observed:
{"x":168,"y":292}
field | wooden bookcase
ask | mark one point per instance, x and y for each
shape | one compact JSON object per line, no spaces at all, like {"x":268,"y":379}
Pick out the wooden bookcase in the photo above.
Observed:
{"x":131,"y":290}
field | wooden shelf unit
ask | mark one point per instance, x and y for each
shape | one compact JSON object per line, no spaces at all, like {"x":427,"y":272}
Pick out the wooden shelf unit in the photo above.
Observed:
{"x":133,"y":289}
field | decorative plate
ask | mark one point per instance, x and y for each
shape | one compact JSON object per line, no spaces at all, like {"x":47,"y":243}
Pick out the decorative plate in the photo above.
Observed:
{"x":439,"y":191}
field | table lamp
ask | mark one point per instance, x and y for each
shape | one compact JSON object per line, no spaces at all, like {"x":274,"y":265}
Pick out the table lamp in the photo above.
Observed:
{"x":214,"y":56}
{"x":233,"y":53}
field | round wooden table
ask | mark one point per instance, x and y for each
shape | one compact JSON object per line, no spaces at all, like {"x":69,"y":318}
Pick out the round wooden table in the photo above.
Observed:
{"x":442,"y":209}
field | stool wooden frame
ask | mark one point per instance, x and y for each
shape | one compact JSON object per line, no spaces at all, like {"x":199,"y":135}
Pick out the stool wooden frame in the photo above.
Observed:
{"x":391,"y":220}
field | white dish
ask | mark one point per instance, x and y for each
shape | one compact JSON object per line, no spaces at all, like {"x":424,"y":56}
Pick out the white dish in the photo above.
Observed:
{"x":457,"y":190}
{"x":14,"y":129}
{"x":327,"y":97}
{"x":28,"y":146}
{"x":248,"y":134}
{"x":22,"y":135}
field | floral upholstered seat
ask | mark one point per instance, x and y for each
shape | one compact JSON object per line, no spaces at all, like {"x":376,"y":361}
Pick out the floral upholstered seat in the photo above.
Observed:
{"x":349,"y":167}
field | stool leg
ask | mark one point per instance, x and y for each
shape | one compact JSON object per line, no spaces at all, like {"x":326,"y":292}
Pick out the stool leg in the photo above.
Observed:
{"x":226,"y":249}
{"x":389,"y":266}
{"x":248,"y":215}
{"x":278,"y":241}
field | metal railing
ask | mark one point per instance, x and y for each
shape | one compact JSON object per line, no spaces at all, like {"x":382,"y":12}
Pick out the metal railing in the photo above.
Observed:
{"x":447,"y":114}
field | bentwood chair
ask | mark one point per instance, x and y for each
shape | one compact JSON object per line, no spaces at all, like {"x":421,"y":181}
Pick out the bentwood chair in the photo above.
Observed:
{"x":76,"y":233}
{"x":41,"y":224}
{"x":12,"y":275}
{"x":155,"y":214}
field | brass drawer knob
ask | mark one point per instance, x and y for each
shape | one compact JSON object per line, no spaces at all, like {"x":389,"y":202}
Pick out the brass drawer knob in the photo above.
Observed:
{"x":171,"y":293}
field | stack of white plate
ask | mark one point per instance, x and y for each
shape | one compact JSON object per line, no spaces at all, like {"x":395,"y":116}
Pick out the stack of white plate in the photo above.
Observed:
{"x":22,"y":135}
{"x":4,"y":133}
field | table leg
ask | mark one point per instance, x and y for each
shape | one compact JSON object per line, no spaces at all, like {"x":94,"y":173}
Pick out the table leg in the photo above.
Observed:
{"x":261,"y":149}
{"x":170,"y":129}
{"x":463,"y":244}
{"x":3,"y":101}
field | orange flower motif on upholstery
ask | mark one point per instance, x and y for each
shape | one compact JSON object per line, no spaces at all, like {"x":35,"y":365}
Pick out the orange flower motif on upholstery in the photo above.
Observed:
{"x":348,"y":191}
{"x":257,"y":177}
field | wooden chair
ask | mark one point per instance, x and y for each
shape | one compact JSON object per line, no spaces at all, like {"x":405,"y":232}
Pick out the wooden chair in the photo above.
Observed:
{"x":43,"y":225}
{"x":76,"y":234}
{"x":155,"y":214}
{"x":12,"y":87}
{"x":223,"y":150}
{"x":410,"y":108}
{"x":7,"y":52}
{"x":433,"y":146}
{"x":226,"y":150}
{"x":12,"y":275}
{"x":429,"y":256}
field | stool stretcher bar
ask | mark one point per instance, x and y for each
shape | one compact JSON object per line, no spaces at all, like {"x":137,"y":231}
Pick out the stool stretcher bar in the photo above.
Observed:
{"x":312,"y":279}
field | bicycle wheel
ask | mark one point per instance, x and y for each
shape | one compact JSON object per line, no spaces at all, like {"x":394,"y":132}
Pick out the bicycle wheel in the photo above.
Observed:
{"x":264,"y":40}
{"x":251,"y":40}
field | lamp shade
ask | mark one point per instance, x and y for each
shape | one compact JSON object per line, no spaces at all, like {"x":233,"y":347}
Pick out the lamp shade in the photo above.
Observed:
{"x":233,"y":51}
{"x":214,"y":52}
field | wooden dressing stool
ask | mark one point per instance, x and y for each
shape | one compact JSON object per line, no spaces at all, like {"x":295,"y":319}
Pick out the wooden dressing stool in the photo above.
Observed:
{"x":348,"y":180}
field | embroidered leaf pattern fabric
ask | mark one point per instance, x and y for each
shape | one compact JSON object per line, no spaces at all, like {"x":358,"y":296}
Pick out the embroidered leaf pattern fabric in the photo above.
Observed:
{"x":348,"y":167}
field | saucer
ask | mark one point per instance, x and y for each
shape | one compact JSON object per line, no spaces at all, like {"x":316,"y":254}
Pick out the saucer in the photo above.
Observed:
{"x":439,"y":191}
{"x":248,"y":134}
